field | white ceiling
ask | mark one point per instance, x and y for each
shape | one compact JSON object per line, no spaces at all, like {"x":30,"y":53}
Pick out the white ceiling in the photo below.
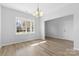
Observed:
{"x":31,"y":7}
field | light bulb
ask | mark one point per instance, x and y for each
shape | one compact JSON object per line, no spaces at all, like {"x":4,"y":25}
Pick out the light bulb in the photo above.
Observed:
{"x":38,"y":13}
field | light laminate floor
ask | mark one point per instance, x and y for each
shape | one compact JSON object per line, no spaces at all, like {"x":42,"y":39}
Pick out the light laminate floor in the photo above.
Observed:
{"x":48,"y":47}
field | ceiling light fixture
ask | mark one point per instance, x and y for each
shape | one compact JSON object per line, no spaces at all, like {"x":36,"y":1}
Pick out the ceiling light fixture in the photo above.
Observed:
{"x":38,"y":12}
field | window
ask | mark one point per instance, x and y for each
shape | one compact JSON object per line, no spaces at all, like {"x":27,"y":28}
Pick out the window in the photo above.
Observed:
{"x":24,"y":25}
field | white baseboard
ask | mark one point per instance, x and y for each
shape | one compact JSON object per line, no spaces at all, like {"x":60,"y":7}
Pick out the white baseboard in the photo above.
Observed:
{"x":76,"y":49}
{"x":10,"y":43}
{"x":0,"y":46}
{"x":59,"y":37}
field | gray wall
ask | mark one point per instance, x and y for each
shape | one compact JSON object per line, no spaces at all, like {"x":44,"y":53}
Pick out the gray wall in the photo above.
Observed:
{"x":60,"y":27}
{"x":0,"y":25}
{"x":9,"y":28}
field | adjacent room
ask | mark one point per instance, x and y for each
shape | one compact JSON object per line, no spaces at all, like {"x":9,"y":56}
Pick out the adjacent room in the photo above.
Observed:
{"x":39,"y":29}
{"x":61,"y":27}
{"x":60,"y":31}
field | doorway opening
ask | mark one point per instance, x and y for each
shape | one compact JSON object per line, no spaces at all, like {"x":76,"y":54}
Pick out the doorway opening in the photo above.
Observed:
{"x":60,"y":29}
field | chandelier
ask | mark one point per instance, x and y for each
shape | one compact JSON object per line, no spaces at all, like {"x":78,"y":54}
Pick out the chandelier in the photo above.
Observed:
{"x":38,"y":12}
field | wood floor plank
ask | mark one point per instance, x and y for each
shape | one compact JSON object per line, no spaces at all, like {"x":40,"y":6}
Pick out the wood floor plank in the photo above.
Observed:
{"x":48,"y":47}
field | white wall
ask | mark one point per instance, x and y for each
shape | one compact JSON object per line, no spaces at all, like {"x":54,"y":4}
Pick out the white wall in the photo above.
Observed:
{"x":0,"y":25}
{"x":71,"y":9}
{"x":9,"y":28}
{"x":60,"y":27}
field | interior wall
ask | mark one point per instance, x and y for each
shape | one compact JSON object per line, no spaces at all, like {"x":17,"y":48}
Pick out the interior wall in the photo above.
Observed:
{"x":60,"y":27}
{"x":0,"y":25}
{"x":9,"y":27}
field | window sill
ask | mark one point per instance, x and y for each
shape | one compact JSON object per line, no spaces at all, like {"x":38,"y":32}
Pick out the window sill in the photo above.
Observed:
{"x":21,"y":33}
